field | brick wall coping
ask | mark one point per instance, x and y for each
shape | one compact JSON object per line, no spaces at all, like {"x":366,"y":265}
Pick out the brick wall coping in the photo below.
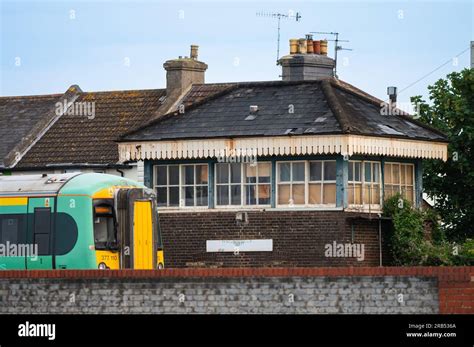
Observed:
{"x":444,"y":273}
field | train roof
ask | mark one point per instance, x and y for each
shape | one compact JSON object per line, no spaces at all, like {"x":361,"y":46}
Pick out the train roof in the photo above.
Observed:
{"x":43,"y":184}
{"x":53,"y":184}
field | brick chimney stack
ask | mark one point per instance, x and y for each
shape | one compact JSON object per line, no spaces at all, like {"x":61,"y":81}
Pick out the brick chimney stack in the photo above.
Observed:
{"x":181,"y":73}
{"x":307,"y":60}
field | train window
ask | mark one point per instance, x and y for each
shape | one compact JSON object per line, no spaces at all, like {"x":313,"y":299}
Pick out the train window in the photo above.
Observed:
{"x":105,"y":233}
{"x":9,"y":231}
{"x":12,"y":229}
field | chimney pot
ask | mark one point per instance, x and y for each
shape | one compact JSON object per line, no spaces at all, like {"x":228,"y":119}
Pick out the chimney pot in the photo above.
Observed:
{"x":194,"y":52}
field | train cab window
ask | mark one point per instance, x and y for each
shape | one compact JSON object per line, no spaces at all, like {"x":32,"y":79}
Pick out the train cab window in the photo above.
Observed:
{"x":105,"y":231}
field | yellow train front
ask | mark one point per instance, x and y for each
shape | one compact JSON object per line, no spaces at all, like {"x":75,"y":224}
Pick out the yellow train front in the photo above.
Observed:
{"x":79,"y":221}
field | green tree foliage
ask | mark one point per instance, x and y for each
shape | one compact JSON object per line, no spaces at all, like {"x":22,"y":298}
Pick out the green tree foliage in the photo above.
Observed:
{"x":451,"y":183}
{"x":410,"y":246}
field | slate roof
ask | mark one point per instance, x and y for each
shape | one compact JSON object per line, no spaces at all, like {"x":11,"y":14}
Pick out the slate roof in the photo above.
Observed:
{"x":18,"y":117}
{"x":325,"y":106}
{"x":211,"y":110}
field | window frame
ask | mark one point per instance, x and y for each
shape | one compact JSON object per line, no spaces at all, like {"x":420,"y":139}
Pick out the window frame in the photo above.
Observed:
{"x":242,"y":185}
{"x":181,"y":185}
{"x":307,"y":182}
{"x":363,"y":184}
{"x":400,"y":185}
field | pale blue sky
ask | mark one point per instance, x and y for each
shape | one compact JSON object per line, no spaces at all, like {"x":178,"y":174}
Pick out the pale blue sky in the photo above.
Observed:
{"x":44,"y":50}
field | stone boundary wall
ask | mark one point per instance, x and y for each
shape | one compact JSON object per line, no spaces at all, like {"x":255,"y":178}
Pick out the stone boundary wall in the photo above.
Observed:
{"x":240,"y":290}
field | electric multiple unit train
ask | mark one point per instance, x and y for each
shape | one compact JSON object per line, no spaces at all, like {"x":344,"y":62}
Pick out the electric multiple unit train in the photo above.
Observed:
{"x":78,"y":221}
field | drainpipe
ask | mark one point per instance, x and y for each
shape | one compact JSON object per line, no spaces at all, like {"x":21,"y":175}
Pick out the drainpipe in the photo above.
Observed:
{"x":380,"y":239}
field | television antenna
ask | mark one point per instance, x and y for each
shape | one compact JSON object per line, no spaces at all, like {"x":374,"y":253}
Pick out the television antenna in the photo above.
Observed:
{"x":279,"y":16}
{"x":337,"y":47}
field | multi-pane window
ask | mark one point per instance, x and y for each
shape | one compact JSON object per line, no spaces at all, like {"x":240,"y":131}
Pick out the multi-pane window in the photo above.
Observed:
{"x":363,"y":183}
{"x":243,"y":184}
{"x":257,"y":188}
{"x":307,"y":183}
{"x":291,"y":183}
{"x":181,"y":185}
{"x":322,"y":182}
{"x":399,"y":178}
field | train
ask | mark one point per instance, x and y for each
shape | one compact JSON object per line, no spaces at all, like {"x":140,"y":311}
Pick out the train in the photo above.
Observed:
{"x":78,"y":221}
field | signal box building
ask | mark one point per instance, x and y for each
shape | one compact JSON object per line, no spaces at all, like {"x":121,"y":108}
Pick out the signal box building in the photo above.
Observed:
{"x":281,"y":173}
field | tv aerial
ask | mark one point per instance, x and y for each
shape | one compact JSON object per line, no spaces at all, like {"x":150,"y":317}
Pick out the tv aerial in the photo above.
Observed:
{"x":296,"y":16}
{"x":337,"y":47}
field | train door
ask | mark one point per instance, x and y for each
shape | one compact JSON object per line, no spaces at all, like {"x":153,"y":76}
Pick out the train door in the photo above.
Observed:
{"x":138,"y":229}
{"x":142,"y":234}
{"x":40,"y":233}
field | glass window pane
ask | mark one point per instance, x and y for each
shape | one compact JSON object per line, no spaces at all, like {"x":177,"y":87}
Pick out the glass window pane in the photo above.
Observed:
{"x":357,"y":171}
{"x":222,"y":173}
{"x":235,"y":173}
{"x":387,"y":173}
{"x":368,"y":172}
{"x":298,"y":172}
{"x":222,"y":195}
{"x":161,"y":175}
{"x":375,"y":194}
{"x":188,"y":174}
{"x":283,"y":194}
{"x":409,"y":175}
{"x":201,"y":174}
{"x":201,"y":195}
{"x":329,"y":193}
{"x":188,"y":193}
{"x":264,"y":172}
{"x":174,"y":196}
{"x":235,"y":191}
{"x":402,"y":174}
{"x":315,"y":193}
{"x":161,"y":196}
{"x":358,"y":194}
{"x":264,"y":194}
{"x":396,"y":174}
{"x":250,"y":195}
{"x":250,"y":173}
{"x":350,"y":194}
{"x":315,"y":168}
{"x":298,"y":194}
{"x":173,"y":171}
{"x":329,"y":170}
{"x":368,"y":198}
{"x":408,"y":194}
{"x":376,"y":175}
{"x":351,"y":171}
{"x":284,"y":172}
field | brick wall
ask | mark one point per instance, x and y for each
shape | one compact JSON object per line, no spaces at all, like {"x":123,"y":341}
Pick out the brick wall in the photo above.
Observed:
{"x":248,"y":290}
{"x":299,"y":238}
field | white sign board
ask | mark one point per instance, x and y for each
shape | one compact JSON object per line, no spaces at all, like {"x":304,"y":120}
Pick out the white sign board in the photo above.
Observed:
{"x":239,"y":245}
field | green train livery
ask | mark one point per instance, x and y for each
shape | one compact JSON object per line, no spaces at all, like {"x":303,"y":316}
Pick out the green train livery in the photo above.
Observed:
{"x":78,"y":221}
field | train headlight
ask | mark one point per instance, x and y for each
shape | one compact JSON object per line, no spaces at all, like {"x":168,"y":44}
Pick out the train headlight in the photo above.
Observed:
{"x":102,"y":266}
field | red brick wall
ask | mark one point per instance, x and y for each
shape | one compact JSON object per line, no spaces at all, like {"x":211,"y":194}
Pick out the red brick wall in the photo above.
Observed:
{"x":456,"y":293}
{"x":298,"y":238}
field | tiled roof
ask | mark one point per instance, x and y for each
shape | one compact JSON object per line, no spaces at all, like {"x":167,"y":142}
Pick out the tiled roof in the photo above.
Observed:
{"x":18,"y":117}
{"x":85,"y":140}
{"x":319,"y":107}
